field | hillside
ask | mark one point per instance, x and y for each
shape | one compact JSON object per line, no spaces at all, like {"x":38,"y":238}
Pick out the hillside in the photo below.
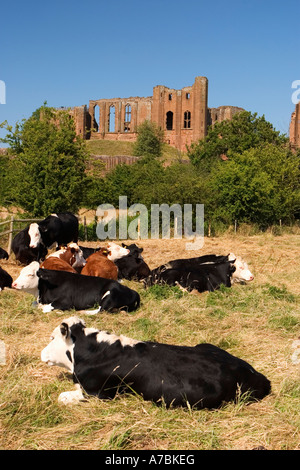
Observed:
{"x":116,"y":148}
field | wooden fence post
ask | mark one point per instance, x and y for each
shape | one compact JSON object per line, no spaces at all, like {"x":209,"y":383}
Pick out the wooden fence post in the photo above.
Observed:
{"x":11,"y":227}
{"x":85,"y":228}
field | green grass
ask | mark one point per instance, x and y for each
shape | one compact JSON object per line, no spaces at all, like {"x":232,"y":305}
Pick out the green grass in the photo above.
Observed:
{"x":257,"y":322}
{"x":117,"y":148}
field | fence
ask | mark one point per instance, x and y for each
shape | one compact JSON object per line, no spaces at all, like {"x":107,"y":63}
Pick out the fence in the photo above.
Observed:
{"x":14,"y":230}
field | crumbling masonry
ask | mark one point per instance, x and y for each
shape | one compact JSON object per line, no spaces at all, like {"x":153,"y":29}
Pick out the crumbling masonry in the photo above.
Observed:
{"x":182,"y":114}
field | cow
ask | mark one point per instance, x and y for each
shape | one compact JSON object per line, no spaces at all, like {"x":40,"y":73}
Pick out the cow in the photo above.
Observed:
{"x":3,"y":254}
{"x":65,"y":291}
{"x":241,"y":274}
{"x":132,"y":266}
{"x":5,"y":279}
{"x":116,"y":251}
{"x":59,"y":229}
{"x":72,"y":254}
{"x":57,"y":264}
{"x":87,"y":251}
{"x":99,"y":265}
{"x":22,"y":250}
{"x":207,"y":277}
{"x":104,"y":365}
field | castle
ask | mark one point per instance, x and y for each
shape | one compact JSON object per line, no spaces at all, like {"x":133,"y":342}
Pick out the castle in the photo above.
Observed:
{"x":182,"y":114}
{"x":295,"y":128}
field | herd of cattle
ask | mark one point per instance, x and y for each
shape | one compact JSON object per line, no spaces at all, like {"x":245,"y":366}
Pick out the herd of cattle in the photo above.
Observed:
{"x":89,"y":280}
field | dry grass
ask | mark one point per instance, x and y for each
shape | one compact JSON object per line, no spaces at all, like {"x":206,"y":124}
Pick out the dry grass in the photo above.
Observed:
{"x":257,"y":322}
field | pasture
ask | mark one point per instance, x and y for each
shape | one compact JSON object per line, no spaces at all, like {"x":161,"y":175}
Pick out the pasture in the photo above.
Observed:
{"x":258,"y":322}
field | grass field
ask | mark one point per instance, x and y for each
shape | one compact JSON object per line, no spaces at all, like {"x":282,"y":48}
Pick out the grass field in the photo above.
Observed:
{"x":258,"y":322}
{"x":114,"y":148}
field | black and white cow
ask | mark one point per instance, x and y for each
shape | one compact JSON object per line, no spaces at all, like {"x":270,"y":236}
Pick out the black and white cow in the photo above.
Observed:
{"x":242,"y":272}
{"x":65,"y":291}
{"x":21,"y":248}
{"x":205,"y":277}
{"x":5,"y":279}
{"x":203,"y":376}
{"x":59,"y":228}
{"x":3,"y":254}
{"x":132,"y":266}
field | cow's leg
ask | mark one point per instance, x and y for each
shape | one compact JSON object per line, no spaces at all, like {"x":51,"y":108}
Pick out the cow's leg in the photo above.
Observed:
{"x":72,"y":397}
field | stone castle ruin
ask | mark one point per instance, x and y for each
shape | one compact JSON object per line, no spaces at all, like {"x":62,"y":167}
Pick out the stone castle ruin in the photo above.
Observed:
{"x":182,"y":114}
{"x":295,"y":128}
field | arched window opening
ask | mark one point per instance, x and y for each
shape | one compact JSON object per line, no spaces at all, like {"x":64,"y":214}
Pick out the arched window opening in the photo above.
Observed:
{"x":187,"y":120}
{"x":170,"y":96}
{"x":96,"y":118}
{"x":111,"y":119}
{"x":127,"y":118}
{"x":169,"y":121}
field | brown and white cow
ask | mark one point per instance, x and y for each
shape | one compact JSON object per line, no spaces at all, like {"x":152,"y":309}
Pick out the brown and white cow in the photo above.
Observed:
{"x":99,"y":265}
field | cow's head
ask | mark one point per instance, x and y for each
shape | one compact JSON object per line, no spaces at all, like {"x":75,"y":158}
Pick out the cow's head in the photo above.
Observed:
{"x":59,"y":351}
{"x":134,"y":249}
{"x":242,"y":272}
{"x":28,"y":279}
{"x":34,"y":235}
{"x":77,"y":259}
{"x":116,"y":251}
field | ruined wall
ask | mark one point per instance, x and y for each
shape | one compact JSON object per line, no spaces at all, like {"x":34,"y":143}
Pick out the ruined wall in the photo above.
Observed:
{"x":118,"y":118}
{"x":182,"y":114}
{"x":221,"y":113}
{"x":295,"y":128}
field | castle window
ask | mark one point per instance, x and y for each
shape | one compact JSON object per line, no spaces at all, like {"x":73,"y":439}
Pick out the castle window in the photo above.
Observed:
{"x":170,"y":96}
{"x":127,"y":118}
{"x":188,"y":96}
{"x":169,"y":121}
{"x":96,"y":118}
{"x":187,"y":120}
{"x":111,"y":119}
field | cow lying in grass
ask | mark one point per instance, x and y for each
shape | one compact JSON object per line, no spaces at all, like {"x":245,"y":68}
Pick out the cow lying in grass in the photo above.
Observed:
{"x":104,"y":364}
{"x":65,"y":291}
{"x":203,"y":273}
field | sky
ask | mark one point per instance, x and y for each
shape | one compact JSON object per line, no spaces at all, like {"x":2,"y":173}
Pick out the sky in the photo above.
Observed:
{"x":69,"y":52}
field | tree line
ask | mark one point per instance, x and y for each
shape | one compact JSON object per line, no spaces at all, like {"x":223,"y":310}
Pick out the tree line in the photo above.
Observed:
{"x":242,"y":170}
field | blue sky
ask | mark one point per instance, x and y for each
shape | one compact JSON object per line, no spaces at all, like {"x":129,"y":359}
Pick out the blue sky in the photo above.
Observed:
{"x":68,"y":52}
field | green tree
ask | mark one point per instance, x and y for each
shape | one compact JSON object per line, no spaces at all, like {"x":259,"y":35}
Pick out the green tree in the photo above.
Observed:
{"x":149,"y":140}
{"x":260,"y":186}
{"x":47,"y":164}
{"x":235,"y":136}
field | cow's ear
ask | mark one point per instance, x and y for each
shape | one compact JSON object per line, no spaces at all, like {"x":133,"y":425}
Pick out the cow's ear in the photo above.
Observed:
{"x":64,"y":329}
